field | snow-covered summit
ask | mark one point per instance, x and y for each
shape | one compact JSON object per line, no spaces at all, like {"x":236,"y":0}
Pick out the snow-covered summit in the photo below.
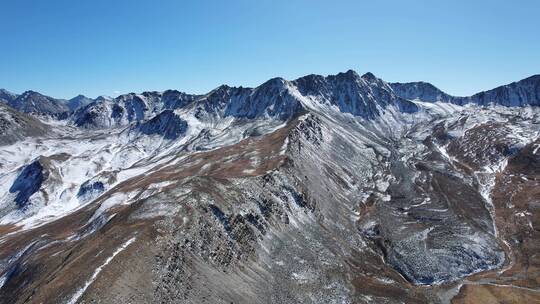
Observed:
{"x":35,"y":103}
{"x":277,"y":98}
{"x":78,"y":101}
{"x":366,"y":96}
{"x":516,"y":94}
{"x":7,"y":96}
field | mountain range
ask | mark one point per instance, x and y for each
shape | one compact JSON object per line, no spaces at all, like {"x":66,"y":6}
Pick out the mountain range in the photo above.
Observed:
{"x":324,"y":189}
{"x":355,"y":100}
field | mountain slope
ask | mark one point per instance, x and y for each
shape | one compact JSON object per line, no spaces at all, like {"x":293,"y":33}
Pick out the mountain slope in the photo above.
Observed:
{"x":422,"y":91}
{"x":318,"y":190}
{"x":520,"y":93}
{"x":126,"y":109}
{"x":165,"y":124}
{"x":78,"y":102}
{"x":16,"y":126}
{"x":7,"y":96}
{"x":35,"y":103}
{"x":365,"y":96}
{"x":515,"y":94}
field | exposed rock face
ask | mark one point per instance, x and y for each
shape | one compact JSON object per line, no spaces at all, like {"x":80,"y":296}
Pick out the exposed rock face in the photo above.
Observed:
{"x":362,"y":96}
{"x":6,"y":96}
{"x":523,"y":92}
{"x":173,"y":99}
{"x":78,"y":102}
{"x":90,"y":189}
{"x":166,"y":124}
{"x":128,"y":108}
{"x":36,"y":103}
{"x":516,"y":94}
{"x":332,"y":189}
{"x":420,"y":90}
{"x":365,"y":96}
{"x":96,"y":114}
{"x":15,"y":126}
{"x":272,"y":99}
{"x":27,"y":183}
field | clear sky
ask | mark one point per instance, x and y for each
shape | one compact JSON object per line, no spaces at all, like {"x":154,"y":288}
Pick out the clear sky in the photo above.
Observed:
{"x":63,"y":48}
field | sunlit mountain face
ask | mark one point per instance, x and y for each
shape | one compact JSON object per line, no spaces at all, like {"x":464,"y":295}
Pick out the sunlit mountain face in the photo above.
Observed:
{"x":323,"y":189}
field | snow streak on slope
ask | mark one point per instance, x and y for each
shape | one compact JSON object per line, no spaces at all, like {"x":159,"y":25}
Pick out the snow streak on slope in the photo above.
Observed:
{"x":81,"y":291}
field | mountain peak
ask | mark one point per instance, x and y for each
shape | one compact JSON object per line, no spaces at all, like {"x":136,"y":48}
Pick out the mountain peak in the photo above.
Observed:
{"x":103,"y":98}
{"x":420,"y":90}
{"x":351,"y":72}
{"x":369,"y":76}
{"x":78,"y":101}
{"x":349,"y":75}
{"x":276,"y":81}
{"x":221,"y":88}
{"x":518,"y":93}
{"x":80,"y":96}
{"x":29,"y":93}
{"x":7,"y":96}
{"x":35,"y":102}
{"x":4,"y":91}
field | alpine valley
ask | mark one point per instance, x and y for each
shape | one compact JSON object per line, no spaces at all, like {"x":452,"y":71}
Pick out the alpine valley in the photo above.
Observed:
{"x":336,"y":189}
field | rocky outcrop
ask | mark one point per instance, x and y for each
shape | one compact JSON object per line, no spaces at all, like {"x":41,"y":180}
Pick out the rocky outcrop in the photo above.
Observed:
{"x":27,"y":183}
{"x":166,"y":124}
{"x":366,"y":96}
{"x":90,"y":189}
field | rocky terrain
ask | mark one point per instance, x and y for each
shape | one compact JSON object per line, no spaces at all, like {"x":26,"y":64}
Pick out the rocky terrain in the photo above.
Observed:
{"x":323,"y":189}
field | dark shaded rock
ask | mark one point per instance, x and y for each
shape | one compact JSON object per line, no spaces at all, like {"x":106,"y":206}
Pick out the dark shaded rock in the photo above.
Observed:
{"x":90,"y":187}
{"x":27,"y":183}
{"x":166,"y":124}
{"x":221,"y":217}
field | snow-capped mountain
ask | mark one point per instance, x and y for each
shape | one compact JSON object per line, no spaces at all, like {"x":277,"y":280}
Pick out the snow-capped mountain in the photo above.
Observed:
{"x":166,"y":124}
{"x":520,"y":93}
{"x":128,"y":108}
{"x":365,"y":96}
{"x":422,"y":91}
{"x":36,"y":103}
{"x":6,"y":96}
{"x":324,"y":189}
{"x":16,"y":126}
{"x":78,"y":102}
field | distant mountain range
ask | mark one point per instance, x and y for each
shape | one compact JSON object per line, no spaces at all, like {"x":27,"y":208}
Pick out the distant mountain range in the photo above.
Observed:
{"x":520,"y":93}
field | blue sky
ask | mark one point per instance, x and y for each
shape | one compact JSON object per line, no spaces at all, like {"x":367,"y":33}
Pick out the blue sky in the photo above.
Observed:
{"x":63,"y":48}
